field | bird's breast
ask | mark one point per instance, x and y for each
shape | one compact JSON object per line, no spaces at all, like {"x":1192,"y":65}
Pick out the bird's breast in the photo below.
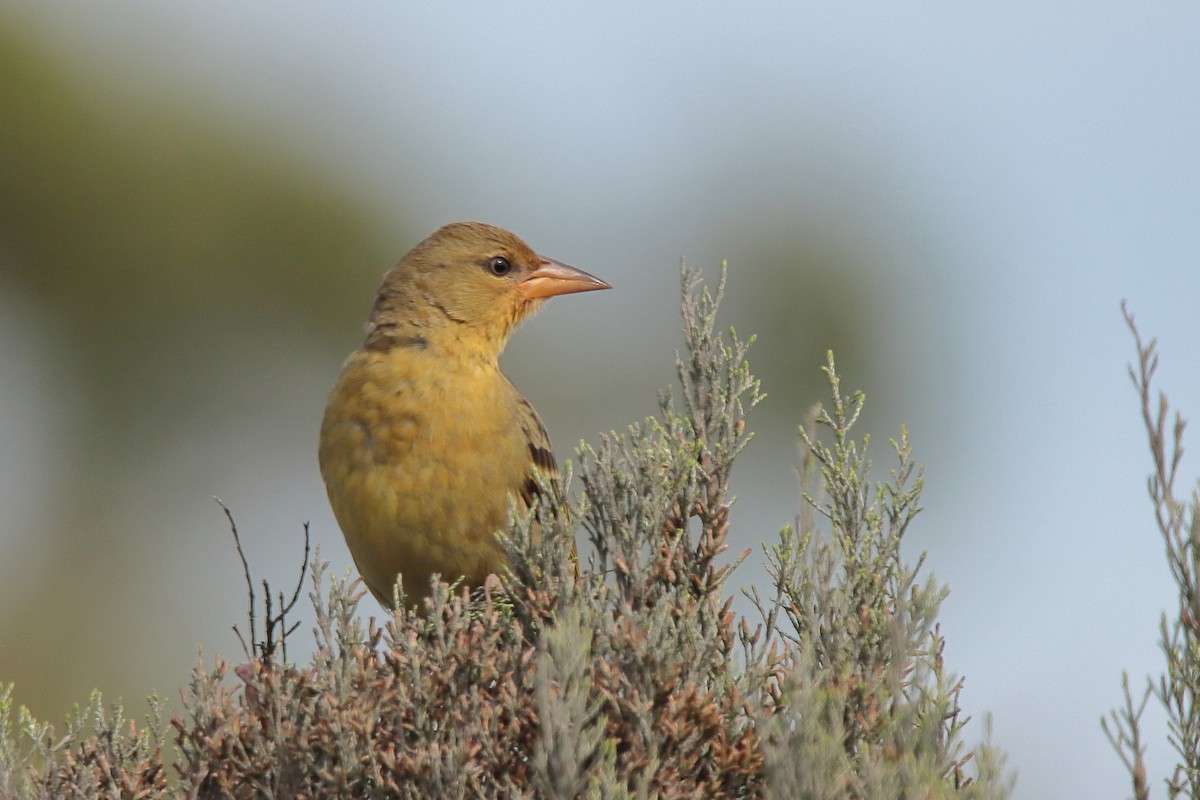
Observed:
{"x":420,"y":464}
{"x":404,"y":412}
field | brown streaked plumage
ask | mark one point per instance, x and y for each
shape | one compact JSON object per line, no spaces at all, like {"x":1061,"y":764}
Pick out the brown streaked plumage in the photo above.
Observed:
{"x":424,"y":439}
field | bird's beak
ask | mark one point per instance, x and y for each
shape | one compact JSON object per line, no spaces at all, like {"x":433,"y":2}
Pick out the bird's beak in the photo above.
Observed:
{"x":552,"y":277}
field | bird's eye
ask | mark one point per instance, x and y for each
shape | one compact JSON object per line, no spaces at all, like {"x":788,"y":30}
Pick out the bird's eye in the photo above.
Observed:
{"x":499,"y":266}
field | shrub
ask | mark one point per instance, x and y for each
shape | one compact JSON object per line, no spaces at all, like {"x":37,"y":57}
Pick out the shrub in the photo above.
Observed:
{"x":1178,"y":521}
{"x":621,"y":673}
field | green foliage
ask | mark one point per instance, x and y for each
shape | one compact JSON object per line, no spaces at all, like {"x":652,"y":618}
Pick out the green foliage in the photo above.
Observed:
{"x":863,"y":687}
{"x":623,"y":673}
{"x":1178,"y":521}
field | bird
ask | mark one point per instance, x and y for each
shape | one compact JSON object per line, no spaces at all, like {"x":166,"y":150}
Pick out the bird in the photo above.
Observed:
{"x":425,"y":443}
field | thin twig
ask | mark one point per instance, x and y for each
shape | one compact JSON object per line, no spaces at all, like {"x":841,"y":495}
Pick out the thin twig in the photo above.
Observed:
{"x":237,"y":540}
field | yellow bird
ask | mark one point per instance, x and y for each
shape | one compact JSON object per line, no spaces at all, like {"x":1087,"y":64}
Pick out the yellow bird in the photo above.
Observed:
{"x":424,"y":439}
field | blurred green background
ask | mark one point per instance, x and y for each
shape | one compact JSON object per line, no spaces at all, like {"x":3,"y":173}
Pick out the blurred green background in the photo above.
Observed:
{"x":196,"y":203}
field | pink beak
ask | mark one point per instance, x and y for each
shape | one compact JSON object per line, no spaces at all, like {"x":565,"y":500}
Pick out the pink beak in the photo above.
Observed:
{"x":553,"y":277}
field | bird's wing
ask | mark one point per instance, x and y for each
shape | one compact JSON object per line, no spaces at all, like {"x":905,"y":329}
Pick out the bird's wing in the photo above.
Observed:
{"x":540,"y":455}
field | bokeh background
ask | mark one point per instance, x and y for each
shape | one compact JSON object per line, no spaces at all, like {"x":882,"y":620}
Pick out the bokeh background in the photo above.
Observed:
{"x":196,"y":202}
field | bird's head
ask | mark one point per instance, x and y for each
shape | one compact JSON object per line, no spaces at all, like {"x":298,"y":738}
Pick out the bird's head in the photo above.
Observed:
{"x":468,"y":281}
